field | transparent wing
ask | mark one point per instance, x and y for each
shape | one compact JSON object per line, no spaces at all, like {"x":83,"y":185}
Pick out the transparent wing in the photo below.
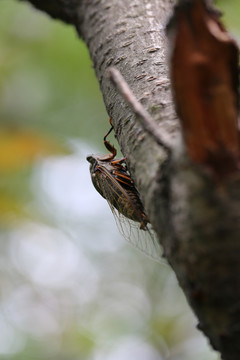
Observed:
{"x":144,"y":240}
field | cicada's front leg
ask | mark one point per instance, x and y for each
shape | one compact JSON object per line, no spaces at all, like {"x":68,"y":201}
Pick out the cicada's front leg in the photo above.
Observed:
{"x":110,"y":147}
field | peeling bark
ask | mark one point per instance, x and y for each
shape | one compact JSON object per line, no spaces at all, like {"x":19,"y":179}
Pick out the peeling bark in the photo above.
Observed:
{"x":197,"y":220}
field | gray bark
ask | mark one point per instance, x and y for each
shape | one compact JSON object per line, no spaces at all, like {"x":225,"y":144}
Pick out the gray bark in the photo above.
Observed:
{"x":197,"y":220}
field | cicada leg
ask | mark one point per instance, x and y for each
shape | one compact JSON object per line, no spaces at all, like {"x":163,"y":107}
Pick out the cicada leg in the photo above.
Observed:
{"x":123,"y":178}
{"x":110,"y":147}
{"x":107,"y":144}
{"x":118,"y":162}
{"x":144,"y":222}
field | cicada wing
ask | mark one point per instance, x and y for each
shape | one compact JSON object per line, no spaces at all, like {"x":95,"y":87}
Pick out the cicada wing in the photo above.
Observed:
{"x":145,"y":239}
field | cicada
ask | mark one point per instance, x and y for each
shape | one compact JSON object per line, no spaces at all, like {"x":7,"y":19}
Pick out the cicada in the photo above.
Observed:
{"x":112,"y":180}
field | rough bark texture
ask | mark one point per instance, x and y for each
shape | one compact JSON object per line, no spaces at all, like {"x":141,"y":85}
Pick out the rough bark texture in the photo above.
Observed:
{"x":197,"y":220}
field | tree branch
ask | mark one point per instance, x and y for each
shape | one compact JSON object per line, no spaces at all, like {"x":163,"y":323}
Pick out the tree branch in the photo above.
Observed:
{"x":142,"y":115}
{"x":197,"y":220}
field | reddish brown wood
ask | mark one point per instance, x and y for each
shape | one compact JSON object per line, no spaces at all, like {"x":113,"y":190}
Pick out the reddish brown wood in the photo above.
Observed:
{"x":204,"y":70}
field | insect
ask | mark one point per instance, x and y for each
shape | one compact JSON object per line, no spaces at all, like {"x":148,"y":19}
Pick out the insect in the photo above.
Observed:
{"x":112,"y":180}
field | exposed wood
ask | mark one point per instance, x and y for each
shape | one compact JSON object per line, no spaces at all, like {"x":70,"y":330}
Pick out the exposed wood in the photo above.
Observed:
{"x":204,"y":69}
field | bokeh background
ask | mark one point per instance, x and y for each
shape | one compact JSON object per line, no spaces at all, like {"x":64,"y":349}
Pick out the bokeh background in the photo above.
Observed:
{"x":70,"y":287}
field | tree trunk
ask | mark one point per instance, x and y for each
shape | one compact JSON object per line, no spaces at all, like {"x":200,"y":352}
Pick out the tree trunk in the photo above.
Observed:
{"x":196,"y":219}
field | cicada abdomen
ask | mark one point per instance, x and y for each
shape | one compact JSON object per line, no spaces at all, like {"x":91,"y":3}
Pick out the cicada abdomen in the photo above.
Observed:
{"x":111,"y":179}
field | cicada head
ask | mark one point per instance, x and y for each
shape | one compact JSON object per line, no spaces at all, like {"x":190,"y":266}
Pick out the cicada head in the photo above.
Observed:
{"x":93,"y":161}
{"x":95,"y":175}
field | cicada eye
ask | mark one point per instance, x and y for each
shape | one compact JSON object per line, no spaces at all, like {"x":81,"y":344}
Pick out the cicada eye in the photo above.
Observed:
{"x":90,"y":159}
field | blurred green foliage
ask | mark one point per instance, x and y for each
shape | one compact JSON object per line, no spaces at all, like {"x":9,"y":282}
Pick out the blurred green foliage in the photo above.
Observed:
{"x":46,"y":79}
{"x":230,"y":15}
{"x":48,"y":93}
{"x":69,"y":288}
